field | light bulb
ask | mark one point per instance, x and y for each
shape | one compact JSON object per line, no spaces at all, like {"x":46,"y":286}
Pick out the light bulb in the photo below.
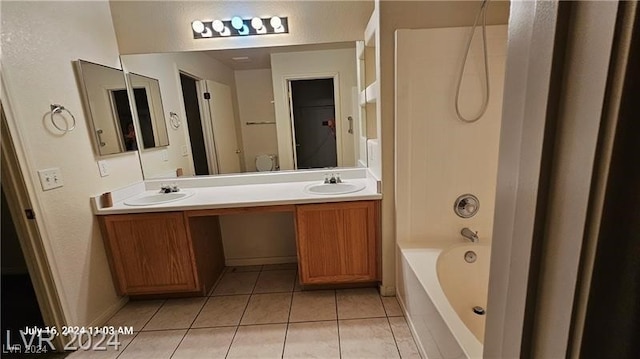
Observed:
{"x":237,"y":23}
{"x":256,"y":23}
{"x":217,"y":25}
{"x":275,"y":22}
{"x":197,"y":26}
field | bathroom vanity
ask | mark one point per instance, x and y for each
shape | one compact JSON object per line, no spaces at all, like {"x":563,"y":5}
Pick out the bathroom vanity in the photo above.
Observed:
{"x":176,"y":247}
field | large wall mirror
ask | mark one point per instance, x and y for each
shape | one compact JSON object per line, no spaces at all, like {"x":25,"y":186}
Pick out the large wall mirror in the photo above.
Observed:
{"x":255,"y":109}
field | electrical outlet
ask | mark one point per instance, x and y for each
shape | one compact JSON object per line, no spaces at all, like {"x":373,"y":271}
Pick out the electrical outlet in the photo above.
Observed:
{"x":50,"y":178}
{"x":104,"y":168}
{"x":185,"y":151}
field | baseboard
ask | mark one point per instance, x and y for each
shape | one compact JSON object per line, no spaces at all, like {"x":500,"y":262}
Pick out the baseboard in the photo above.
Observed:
{"x":107,"y":314}
{"x":388,"y":291}
{"x":232,"y":262}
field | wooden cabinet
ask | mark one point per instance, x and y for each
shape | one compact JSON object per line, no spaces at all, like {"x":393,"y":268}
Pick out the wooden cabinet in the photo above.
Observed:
{"x":181,"y":253}
{"x":161,"y":253}
{"x":337,"y":242}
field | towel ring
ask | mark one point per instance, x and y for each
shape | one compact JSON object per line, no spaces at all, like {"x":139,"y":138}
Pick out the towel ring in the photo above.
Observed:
{"x":57,"y":109}
{"x":174,"y":120}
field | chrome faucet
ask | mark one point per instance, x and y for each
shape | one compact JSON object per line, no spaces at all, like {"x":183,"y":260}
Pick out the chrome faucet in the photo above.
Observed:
{"x":166,"y":188}
{"x":470,"y":235}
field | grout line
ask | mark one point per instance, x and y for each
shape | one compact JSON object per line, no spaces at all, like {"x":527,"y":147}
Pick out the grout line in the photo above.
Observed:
{"x":237,"y":327}
{"x":178,"y":346}
{"x":393,"y":335}
{"x":286,"y":332}
{"x":120,"y":351}
{"x":206,"y":299}
{"x":335,"y":297}
{"x":164,"y":301}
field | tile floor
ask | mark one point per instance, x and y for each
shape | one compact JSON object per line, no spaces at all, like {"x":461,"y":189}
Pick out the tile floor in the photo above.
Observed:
{"x":260,"y":312}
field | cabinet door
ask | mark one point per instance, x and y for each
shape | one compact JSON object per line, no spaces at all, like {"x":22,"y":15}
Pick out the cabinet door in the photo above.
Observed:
{"x":337,"y":242}
{"x":150,"y":253}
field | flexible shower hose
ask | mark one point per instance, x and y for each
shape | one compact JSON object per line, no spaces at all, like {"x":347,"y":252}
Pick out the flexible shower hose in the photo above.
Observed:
{"x":483,"y":12}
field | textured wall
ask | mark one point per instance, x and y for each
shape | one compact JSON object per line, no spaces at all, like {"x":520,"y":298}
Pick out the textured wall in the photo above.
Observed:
{"x":37,"y":70}
{"x":164,"y":26}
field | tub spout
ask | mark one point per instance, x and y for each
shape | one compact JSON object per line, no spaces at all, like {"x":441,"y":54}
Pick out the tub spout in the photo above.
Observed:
{"x":470,"y":235}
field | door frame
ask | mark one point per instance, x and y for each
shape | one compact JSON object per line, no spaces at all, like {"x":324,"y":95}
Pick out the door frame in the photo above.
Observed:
{"x":19,"y":195}
{"x":287,"y":79}
{"x":205,"y":120}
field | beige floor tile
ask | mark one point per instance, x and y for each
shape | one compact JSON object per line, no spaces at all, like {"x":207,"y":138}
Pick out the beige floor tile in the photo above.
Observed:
{"x":359,"y":303}
{"x":313,"y":306}
{"x":367,"y":338}
{"x":312,"y":340}
{"x":392,"y":307}
{"x":205,"y":343}
{"x":404,"y":340}
{"x":135,"y":314}
{"x":159,"y":344}
{"x":222,"y":311}
{"x":236,"y":269}
{"x":258,"y":341}
{"x":236,"y":283}
{"x":276,"y":281}
{"x":281,"y":266}
{"x":267,"y":309}
{"x":176,"y":314}
{"x":95,"y":349}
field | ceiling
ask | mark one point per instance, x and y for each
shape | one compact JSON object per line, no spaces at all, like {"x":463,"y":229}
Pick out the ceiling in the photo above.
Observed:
{"x":260,"y":57}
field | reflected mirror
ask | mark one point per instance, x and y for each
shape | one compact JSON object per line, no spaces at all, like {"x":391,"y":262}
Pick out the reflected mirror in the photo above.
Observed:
{"x":107,"y":107}
{"x":150,"y":114}
{"x":258,"y":109}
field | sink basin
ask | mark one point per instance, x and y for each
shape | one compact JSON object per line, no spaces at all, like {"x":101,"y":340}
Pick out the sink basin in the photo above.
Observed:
{"x":157,"y":198}
{"x":334,"y":188}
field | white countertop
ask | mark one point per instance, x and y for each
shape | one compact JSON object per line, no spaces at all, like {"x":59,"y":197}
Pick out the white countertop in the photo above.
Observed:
{"x":235,"y":196}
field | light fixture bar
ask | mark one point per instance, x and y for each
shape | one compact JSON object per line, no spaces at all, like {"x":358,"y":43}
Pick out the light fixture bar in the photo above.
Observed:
{"x":239,"y":27}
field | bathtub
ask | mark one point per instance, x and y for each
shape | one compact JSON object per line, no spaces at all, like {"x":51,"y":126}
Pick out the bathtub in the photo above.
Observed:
{"x":438,"y":290}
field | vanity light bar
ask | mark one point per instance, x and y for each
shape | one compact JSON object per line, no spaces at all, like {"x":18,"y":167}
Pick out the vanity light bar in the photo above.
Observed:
{"x":239,"y":27}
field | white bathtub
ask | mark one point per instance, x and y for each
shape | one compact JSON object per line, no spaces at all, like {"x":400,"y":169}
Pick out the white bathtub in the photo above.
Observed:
{"x":438,"y":289}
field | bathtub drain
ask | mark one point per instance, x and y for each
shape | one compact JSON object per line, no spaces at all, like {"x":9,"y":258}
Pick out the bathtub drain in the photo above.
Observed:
{"x":479,"y":310}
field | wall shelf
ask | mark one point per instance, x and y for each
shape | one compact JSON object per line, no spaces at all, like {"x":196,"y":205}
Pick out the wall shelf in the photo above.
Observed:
{"x":371,"y":93}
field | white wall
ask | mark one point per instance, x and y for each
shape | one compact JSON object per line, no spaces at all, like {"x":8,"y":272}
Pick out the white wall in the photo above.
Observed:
{"x":37,"y":70}
{"x":255,"y":101}
{"x":260,"y":238}
{"x":439,"y":156}
{"x":165,"y":68}
{"x":167,"y":24}
{"x":315,"y":63}
{"x":395,"y":15}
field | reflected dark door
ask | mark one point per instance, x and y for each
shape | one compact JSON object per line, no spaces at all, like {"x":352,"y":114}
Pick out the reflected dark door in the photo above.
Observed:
{"x":194,"y":122}
{"x":314,"y":122}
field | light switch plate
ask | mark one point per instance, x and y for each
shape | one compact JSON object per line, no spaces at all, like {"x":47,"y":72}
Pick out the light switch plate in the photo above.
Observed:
{"x":104,"y":168}
{"x":50,"y":178}
{"x":165,"y":155}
